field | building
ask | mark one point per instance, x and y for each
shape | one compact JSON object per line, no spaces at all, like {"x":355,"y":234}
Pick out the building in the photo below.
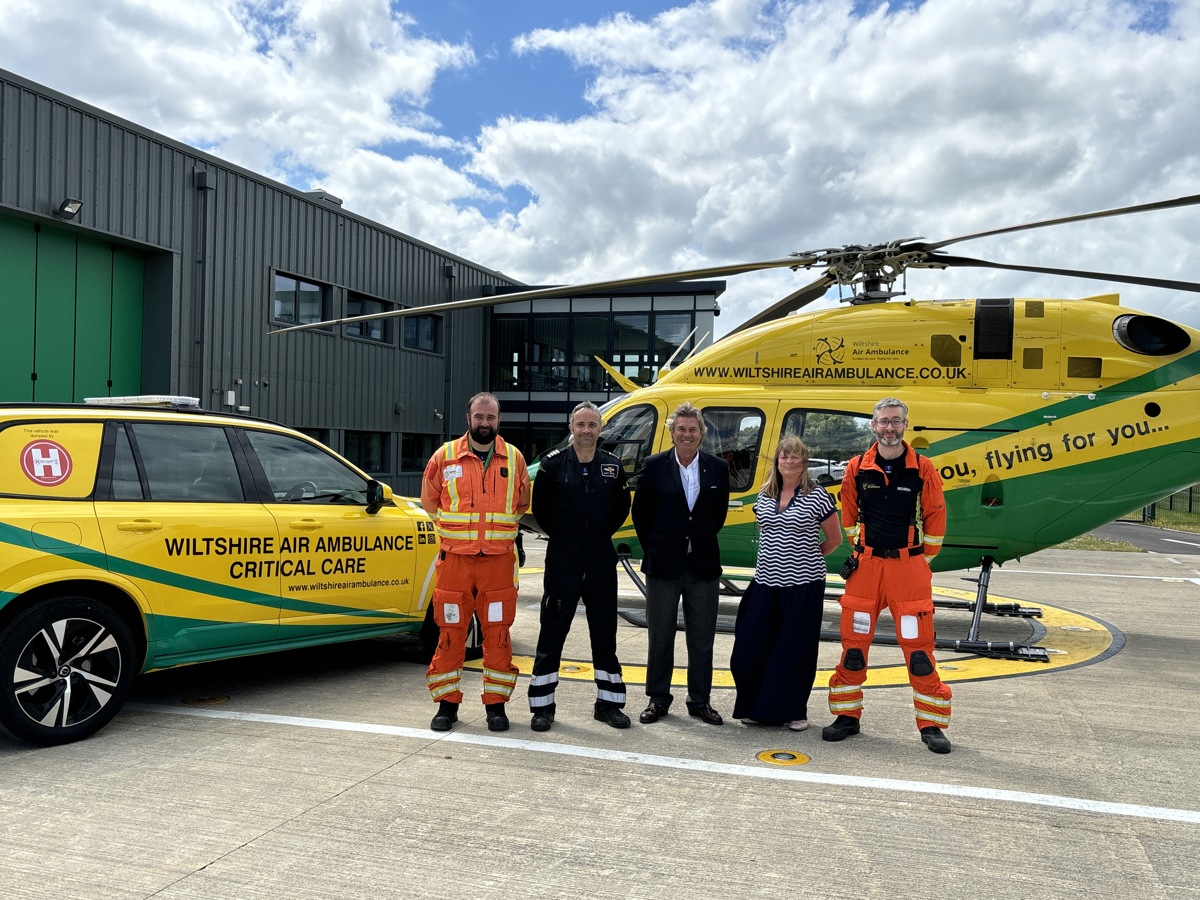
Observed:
{"x":131,"y":263}
{"x":544,"y":352}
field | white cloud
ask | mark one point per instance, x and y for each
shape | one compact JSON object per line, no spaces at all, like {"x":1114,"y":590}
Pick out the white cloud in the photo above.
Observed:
{"x":717,"y":132}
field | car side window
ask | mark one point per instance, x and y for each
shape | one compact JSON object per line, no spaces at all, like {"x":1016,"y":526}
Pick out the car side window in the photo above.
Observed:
{"x":300,"y":472}
{"x":126,"y":485}
{"x":187,"y":462}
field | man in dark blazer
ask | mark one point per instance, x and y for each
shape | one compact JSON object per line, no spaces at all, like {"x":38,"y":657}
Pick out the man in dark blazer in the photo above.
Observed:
{"x":679,"y":505}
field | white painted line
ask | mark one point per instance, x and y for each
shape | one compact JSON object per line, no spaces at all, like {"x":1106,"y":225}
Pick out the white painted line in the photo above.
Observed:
{"x":1166,"y":578}
{"x":698,"y":765}
{"x":1173,"y":541}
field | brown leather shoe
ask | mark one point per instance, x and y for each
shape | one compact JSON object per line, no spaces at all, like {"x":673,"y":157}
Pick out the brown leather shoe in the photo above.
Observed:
{"x":706,"y":714}
{"x":652,"y":713}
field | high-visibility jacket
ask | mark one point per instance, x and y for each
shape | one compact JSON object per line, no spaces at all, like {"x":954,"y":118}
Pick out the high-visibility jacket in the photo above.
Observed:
{"x":882,"y":513}
{"x":477,"y":506}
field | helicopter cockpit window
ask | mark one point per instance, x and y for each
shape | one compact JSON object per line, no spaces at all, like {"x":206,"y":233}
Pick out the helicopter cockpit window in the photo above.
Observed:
{"x":630,"y":436}
{"x":735,"y":435}
{"x":832,"y":439}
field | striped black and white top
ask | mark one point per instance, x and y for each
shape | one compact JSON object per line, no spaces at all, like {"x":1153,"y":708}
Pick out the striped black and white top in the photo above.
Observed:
{"x":789,"y":551}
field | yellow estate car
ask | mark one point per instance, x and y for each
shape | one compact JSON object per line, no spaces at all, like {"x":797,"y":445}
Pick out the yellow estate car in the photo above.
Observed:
{"x":138,"y":534}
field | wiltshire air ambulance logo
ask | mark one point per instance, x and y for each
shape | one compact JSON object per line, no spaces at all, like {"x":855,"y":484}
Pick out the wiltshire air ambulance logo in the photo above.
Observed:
{"x":830,"y":351}
{"x":46,"y":463}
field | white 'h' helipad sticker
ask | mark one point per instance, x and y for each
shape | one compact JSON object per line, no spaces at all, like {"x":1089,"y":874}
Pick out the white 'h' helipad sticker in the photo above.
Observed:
{"x":46,"y":463}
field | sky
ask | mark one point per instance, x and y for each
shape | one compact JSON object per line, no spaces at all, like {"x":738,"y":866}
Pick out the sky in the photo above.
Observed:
{"x":566,"y":142}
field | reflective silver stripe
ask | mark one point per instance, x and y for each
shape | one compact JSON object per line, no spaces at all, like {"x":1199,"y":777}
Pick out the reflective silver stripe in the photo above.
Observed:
{"x":932,"y":701}
{"x":610,"y":696}
{"x":538,"y":702}
{"x":614,"y":677}
{"x":549,"y":678}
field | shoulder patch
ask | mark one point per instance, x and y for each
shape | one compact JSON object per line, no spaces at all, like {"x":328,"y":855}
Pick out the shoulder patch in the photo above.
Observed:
{"x":553,"y":453}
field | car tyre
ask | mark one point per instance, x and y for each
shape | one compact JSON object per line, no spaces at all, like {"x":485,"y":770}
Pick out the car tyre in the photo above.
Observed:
{"x":66,"y":665}
{"x":429,"y":635}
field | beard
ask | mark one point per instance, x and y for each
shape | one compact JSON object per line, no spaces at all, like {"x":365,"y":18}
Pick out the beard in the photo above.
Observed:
{"x":483,"y":434}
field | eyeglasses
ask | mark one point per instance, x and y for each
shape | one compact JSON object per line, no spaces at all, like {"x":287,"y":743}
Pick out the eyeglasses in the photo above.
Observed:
{"x":890,"y":423}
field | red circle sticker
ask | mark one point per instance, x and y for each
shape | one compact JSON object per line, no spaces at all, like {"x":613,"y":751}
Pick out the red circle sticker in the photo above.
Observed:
{"x":46,"y":463}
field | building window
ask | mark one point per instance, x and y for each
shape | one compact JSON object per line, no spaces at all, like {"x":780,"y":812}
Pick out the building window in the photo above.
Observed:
{"x":423,"y":333}
{"x":415,"y":450}
{"x":299,"y":302}
{"x":367,"y":450}
{"x":371,"y":329}
{"x":320,"y":435}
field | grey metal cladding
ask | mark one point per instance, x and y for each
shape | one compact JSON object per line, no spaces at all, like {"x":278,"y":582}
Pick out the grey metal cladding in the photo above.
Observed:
{"x":214,"y":235}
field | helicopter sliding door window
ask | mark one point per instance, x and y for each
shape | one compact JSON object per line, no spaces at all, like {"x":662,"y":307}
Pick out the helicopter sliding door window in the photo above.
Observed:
{"x":630,"y":435}
{"x":735,"y":435}
{"x":832,"y":439}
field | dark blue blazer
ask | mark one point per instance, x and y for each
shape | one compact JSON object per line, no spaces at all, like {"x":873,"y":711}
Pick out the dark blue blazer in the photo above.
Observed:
{"x":664,"y":524}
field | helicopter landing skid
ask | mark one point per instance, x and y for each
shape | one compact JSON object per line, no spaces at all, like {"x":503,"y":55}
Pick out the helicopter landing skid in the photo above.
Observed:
{"x":1015,"y":650}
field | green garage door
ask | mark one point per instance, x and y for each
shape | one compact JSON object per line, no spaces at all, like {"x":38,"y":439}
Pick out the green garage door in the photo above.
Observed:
{"x":72,"y":315}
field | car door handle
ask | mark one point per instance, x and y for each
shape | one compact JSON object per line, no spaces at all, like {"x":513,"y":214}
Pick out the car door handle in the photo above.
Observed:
{"x":306,"y":525}
{"x":139,"y":525}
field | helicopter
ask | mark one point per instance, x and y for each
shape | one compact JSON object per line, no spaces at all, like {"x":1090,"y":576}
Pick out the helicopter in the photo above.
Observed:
{"x":1046,"y":418}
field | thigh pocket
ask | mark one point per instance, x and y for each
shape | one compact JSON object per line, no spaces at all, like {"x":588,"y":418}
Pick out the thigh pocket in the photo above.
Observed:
{"x":450,"y":609}
{"x":497,"y":607}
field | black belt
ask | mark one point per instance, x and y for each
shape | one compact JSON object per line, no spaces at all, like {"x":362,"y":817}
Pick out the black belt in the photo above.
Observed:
{"x":891,"y":554}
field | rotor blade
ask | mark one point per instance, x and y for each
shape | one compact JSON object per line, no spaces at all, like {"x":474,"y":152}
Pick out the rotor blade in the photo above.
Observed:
{"x":796,"y":300}
{"x":1123,"y":211}
{"x":569,"y":290}
{"x":1070,"y":273}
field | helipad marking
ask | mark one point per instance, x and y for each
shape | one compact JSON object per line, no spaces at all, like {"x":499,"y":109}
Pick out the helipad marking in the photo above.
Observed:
{"x":782,"y":757}
{"x":1076,"y":804}
{"x":1072,"y":639}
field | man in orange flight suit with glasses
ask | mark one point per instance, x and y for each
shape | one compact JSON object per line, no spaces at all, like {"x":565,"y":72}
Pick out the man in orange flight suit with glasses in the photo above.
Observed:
{"x":476,"y":489}
{"x":885,"y":492}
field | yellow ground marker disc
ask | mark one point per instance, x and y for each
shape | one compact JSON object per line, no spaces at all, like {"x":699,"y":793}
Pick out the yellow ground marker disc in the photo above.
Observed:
{"x":782,"y":757}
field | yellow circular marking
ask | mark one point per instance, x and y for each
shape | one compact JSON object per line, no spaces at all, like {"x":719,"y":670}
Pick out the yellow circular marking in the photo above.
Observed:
{"x":1071,"y":639}
{"x":782,"y":757}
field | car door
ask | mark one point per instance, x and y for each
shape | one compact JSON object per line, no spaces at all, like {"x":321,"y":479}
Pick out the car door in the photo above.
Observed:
{"x":343,"y":569}
{"x":176,"y":520}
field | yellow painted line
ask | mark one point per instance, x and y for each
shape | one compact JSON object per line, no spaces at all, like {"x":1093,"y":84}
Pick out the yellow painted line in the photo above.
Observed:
{"x":1072,"y":639}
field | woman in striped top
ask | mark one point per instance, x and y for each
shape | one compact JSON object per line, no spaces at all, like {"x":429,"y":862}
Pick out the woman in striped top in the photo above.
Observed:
{"x":778,"y":625}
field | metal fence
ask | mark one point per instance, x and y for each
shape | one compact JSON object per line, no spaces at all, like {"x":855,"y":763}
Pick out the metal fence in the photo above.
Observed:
{"x":1179,"y":509}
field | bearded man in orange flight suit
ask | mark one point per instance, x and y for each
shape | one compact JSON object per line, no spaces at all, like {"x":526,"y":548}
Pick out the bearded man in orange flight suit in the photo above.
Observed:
{"x":476,"y":489}
{"x":886,"y":491}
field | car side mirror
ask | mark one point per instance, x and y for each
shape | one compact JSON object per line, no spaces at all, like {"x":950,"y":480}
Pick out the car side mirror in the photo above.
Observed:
{"x":378,"y":496}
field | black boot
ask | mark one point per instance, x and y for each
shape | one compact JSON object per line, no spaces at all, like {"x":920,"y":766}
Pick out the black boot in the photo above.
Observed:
{"x":841,"y":728}
{"x":497,"y":719}
{"x":447,"y":715}
{"x":935,"y":739}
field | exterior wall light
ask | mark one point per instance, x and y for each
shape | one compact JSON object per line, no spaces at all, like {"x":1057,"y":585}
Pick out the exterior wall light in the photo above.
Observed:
{"x":69,"y":208}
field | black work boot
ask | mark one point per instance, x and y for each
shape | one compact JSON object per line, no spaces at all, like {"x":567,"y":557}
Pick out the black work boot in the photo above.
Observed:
{"x":841,"y":728}
{"x":542,"y":721}
{"x":447,"y":715}
{"x":496,"y":718}
{"x":935,"y":739}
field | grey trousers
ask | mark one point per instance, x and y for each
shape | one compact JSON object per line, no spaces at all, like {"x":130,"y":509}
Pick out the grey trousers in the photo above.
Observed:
{"x":700,"y":598}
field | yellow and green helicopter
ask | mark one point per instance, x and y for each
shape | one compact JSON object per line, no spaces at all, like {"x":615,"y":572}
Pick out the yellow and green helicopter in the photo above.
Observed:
{"x":1046,"y":417}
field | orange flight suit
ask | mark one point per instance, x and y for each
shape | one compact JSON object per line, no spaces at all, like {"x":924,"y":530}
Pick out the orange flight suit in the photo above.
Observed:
{"x":893,"y":571}
{"x":477,"y":510}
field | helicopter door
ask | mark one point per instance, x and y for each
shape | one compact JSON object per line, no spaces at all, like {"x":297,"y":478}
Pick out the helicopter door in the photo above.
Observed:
{"x":735,"y":434}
